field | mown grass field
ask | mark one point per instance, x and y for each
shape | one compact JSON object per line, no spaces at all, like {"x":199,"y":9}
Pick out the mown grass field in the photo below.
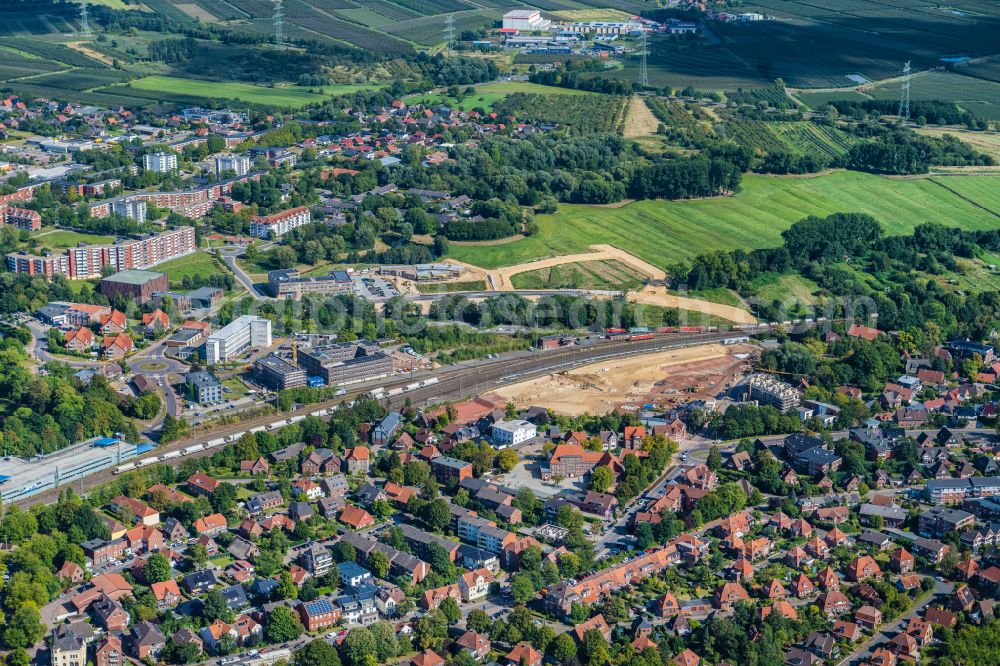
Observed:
{"x":62,"y":239}
{"x":290,"y":97}
{"x":666,"y":231}
{"x":786,"y":289}
{"x":198,"y":263}
{"x":449,"y":287}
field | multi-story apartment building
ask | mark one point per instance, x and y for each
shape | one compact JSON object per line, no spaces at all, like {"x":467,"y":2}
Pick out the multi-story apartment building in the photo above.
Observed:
{"x":279,"y":224}
{"x":22,"y":218}
{"x":87,"y":261}
{"x":445,"y":468}
{"x":770,"y":391}
{"x":203,"y":387}
{"x":238,"y":164}
{"x":159,"y":162}
{"x":955,"y":491}
{"x":938,"y":521}
{"x":236,"y":337}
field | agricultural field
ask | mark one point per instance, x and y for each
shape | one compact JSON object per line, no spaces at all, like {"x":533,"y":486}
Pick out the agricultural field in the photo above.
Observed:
{"x":290,"y":97}
{"x":14,"y":65}
{"x":580,"y":114}
{"x":819,"y":44}
{"x":606,"y":275}
{"x":662,"y":232}
{"x":80,"y":79}
{"x":979,"y":96}
{"x":816,"y":100}
{"x":488,"y":95}
{"x":807,"y":137}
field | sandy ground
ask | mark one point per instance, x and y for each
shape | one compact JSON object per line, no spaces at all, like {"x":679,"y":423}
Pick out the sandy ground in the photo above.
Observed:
{"x":658,"y":296}
{"x":640,"y":120}
{"x":628,"y":383}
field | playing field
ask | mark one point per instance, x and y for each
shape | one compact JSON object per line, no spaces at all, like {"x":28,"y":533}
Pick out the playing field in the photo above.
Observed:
{"x":666,"y":231}
{"x":290,"y":97}
{"x":197,"y":264}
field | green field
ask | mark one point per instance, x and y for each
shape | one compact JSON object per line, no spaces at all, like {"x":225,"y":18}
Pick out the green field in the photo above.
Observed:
{"x":199,"y":263}
{"x":609,"y":275}
{"x":667,"y":231}
{"x":61,"y":239}
{"x":449,"y":287}
{"x":786,"y":289}
{"x":290,"y":97}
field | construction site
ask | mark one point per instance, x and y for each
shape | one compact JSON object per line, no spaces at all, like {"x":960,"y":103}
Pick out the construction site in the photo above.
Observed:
{"x":663,"y":379}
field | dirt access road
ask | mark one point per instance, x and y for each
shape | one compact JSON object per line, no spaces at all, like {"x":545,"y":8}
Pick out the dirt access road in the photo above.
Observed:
{"x":640,"y":121}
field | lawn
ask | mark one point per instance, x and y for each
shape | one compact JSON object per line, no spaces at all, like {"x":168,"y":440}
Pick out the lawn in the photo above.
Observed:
{"x":61,"y":239}
{"x":448,"y":287}
{"x":289,"y":96}
{"x":192,"y":265}
{"x":667,"y":231}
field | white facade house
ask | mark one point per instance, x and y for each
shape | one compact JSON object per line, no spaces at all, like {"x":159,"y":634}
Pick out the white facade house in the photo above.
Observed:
{"x":525,"y":19}
{"x":159,"y":162}
{"x":239,"y":164}
{"x":236,"y":337}
{"x":279,"y":224}
{"x":133,"y":209}
{"x":512,"y":433}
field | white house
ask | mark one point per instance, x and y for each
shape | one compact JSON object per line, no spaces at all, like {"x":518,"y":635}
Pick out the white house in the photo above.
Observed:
{"x":512,"y":433}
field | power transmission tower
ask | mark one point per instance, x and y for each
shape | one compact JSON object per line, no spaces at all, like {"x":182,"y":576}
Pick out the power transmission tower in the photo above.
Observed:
{"x":279,"y":23}
{"x":643,"y":74}
{"x":84,"y":18}
{"x":904,"y":96}
{"x":449,"y":32}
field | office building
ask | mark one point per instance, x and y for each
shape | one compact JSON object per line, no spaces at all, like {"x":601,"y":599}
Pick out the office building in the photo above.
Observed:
{"x":236,"y":337}
{"x":238,"y":164}
{"x":279,"y":224}
{"x":159,"y":162}
{"x":203,"y":387}
{"x":346,"y":363}
{"x":278,"y":374}
{"x":287,"y":283}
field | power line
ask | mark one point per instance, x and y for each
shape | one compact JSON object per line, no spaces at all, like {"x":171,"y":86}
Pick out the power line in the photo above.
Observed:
{"x":279,"y":23}
{"x":84,"y":18}
{"x":643,"y":74}
{"x":449,"y":31}
{"x":904,"y":94}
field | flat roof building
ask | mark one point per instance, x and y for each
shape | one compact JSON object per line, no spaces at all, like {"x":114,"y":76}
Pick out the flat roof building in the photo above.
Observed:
{"x":288,"y":283}
{"x":236,"y":337}
{"x":346,"y":362}
{"x":278,"y":374}
{"x":136,"y":284}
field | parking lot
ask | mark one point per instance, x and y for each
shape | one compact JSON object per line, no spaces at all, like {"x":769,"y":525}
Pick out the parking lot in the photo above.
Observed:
{"x":374,"y":288}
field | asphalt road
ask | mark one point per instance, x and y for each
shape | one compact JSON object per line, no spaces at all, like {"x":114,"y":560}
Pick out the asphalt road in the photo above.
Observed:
{"x":455,"y":382}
